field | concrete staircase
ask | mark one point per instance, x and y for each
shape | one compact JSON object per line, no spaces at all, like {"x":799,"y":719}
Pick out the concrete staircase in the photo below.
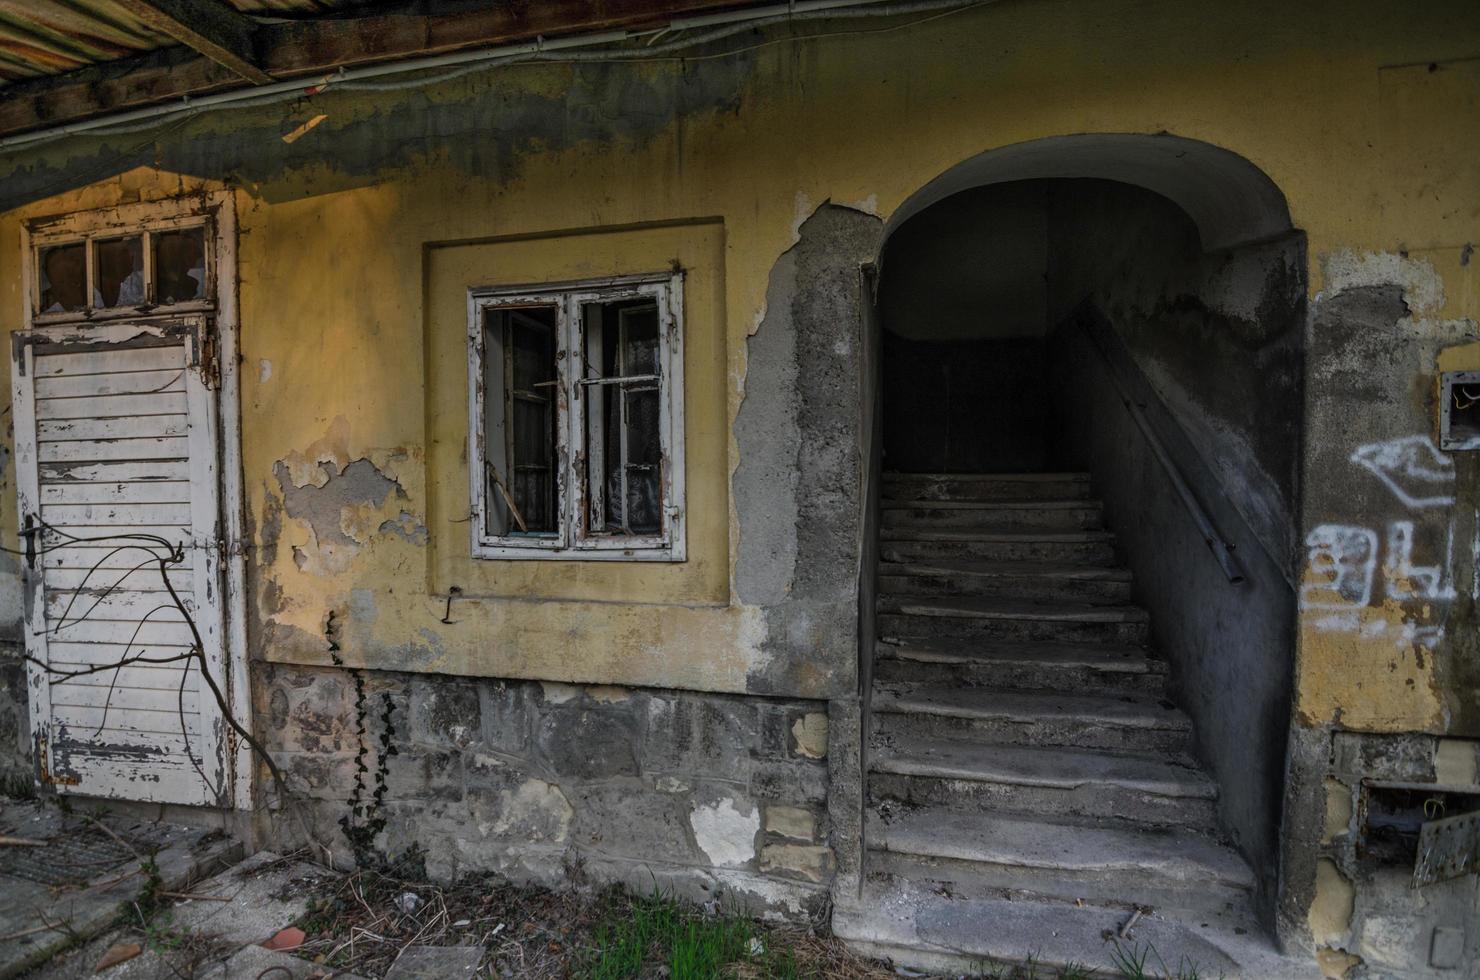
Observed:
{"x":1029,"y":787}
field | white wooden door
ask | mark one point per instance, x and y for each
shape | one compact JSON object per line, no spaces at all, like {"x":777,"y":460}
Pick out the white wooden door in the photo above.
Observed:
{"x":116,"y":435}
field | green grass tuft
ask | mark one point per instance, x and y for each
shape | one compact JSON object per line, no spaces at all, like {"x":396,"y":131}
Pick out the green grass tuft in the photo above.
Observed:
{"x":638,"y":933}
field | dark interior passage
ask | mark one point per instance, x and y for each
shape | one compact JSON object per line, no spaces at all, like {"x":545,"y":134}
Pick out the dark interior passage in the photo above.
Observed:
{"x":1016,"y":319}
{"x":965,"y":314}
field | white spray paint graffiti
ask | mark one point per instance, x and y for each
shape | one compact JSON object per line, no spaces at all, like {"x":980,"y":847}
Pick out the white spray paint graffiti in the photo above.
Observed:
{"x":1345,"y":558}
{"x":1406,"y":580}
{"x":1342,"y":559}
{"x":1413,"y":468}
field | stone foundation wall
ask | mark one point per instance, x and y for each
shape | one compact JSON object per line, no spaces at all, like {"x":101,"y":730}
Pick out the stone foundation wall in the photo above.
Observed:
{"x":16,"y":773}
{"x":705,"y":795}
{"x":1364,"y":811}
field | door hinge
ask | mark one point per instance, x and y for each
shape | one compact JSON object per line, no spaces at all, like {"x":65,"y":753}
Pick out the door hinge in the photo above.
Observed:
{"x":30,"y":535}
{"x":210,"y":365}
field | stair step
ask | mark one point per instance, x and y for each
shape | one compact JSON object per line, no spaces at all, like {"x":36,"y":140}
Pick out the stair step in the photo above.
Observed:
{"x":986,"y":486}
{"x":914,"y":544}
{"x":1105,"y":787}
{"x":1024,"y":579}
{"x":1084,"y":667}
{"x":922,"y":930}
{"x":981,"y":855}
{"x":1066,"y":515}
{"x":1122,"y":722}
{"x":1010,"y":619}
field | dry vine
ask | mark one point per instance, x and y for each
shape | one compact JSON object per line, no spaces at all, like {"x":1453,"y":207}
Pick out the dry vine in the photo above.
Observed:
{"x":163,"y":554}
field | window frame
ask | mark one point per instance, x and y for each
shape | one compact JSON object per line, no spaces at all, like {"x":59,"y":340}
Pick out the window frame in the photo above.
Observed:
{"x":92,"y":228}
{"x":573,"y":541}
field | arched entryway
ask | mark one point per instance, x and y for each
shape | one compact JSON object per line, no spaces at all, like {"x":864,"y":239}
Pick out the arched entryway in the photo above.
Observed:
{"x":1090,"y":394}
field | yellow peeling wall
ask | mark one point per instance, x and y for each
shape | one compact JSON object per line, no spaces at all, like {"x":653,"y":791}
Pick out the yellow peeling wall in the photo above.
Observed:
{"x":352,"y":286}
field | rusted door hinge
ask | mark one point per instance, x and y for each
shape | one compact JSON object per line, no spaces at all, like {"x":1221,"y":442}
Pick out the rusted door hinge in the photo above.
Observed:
{"x":210,"y":367}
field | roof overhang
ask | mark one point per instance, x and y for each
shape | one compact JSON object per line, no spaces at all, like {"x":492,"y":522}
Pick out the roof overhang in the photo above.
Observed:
{"x":222,"y":50}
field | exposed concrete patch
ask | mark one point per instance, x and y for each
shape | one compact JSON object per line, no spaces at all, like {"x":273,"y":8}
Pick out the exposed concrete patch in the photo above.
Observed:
{"x":796,"y":488}
{"x":1423,"y":287}
{"x":407,"y":528}
{"x":725,"y":832}
{"x":342,"y":503}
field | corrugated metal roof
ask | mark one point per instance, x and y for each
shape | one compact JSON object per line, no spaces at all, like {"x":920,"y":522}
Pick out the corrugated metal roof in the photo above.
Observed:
{"x":46,"y":37}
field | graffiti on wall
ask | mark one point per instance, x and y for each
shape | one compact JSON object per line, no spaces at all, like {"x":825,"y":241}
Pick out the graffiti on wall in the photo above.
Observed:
{"x":1350,"y":567}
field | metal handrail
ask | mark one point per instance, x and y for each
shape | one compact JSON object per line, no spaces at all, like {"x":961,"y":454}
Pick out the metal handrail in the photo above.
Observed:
{"x":1217,"y":544}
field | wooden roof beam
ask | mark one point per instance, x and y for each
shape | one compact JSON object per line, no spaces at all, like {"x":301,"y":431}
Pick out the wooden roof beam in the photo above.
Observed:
{"x":307,"y":48}
{"x":213,"y":28}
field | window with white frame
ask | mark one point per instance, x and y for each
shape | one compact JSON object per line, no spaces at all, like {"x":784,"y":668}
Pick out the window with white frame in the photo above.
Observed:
{"x":576,"y":408}
{"x":95,"y":268}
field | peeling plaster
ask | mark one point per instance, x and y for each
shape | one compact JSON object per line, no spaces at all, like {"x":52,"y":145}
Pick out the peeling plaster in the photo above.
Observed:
{"x":1423,"y":287}
{"x":725,"y":833}
{"x":340,"y":505}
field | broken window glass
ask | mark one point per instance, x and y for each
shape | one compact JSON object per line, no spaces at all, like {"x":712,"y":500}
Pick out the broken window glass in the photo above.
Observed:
{"x":622,"y":385}
{"x":179,"y":265}
{"x":579,"y":406}
{"x":118,"y":272}
{"x":522,"y":393}
{"x":63,"y":276}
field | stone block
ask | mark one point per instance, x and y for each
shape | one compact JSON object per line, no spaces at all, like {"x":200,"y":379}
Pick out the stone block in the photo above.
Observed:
{"x":422,"y":774}
{"x":807,"y":862}
{"x":789,"y":782}
{"x":524,"y":810}
{"x":627,"y":818}
{"x":791,"y":822}
{"x":444,"y":712}
{"x":701,"y":736}
{"x":322,"y":775}
{"x":505,"y":710}
{"x":1401,"y":758}
{"x":589,"y":742}
{"x":1447,"y":948}
{"x":436,"y":963}
{"x":311,"y":710}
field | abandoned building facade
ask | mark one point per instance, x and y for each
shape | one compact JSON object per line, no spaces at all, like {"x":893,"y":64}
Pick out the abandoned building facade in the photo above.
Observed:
{"x":960,"y":472}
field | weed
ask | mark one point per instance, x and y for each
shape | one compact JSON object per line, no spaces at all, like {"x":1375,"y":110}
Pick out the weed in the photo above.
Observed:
{"x":18,"y":787}
{"x":1135,"y":963}
{"x":637,"y":933}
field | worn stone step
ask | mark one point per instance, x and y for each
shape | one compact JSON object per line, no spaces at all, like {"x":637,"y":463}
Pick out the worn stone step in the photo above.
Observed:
{"x":924,"y":930}
{"x":916,"y":544}
{"x":982,"y":855}
{"x":1061,"y":515}
{"x":1122,"y":722}
{"x":1111,"y":788}
{"x":1101,"y":668}
{"x":989,"y":617}
{"x":986,"y":486}
{"x":1023,"y":579}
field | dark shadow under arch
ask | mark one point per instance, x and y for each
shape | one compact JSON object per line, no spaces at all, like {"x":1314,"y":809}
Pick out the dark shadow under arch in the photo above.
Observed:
{"x":1231,"y":200}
